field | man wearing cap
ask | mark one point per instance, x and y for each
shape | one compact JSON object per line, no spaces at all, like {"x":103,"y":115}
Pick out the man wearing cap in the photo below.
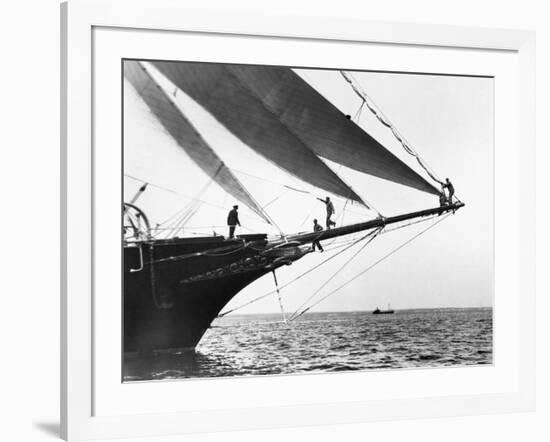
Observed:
{"x":233,"y":221}
{"x":317,"y":228}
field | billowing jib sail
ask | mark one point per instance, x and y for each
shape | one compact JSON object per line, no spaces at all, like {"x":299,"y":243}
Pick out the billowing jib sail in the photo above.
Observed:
{"x":231,"y":101}
{"x":186,"y":135}
{"x":277,"y":113}
{"x":322,"y":127}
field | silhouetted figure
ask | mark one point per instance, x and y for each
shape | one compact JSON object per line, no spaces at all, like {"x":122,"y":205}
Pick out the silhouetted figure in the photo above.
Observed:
{"x":442,"y":200}
{"x":233,"y":221}
{"x":450,"y":188}
{"x":330,"y":211}
{"x":317,"y":228}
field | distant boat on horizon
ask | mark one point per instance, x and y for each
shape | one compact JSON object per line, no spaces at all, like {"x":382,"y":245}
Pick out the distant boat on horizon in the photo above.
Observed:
{"x":377,"y":311}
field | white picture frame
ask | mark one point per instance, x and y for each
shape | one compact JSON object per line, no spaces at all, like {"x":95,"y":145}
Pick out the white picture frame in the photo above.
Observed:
{"x":80,"y":418}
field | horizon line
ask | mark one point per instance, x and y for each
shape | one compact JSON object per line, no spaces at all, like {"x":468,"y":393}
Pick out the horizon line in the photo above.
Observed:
{"x":363,"y":311}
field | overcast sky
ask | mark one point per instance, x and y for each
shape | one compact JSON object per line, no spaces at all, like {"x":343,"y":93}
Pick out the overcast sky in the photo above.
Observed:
{"x":448,"y":120}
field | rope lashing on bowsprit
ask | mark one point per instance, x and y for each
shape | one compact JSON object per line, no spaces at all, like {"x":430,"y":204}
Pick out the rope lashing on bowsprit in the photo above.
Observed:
{"x":368,"y":268}
{"x":386,"y":122}
{"x":311,"y":269}
{"x":279,"y":296}
{"x":298,"y":311}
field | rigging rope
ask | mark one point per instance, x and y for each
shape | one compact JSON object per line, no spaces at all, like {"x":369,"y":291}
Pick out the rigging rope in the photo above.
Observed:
{"x":198,"y":199}
{"x":340,"y":221}
{"x":316,"y":266}
{"x":369,"y":267}
{"x":180,"y":224}
{"x":357,"y":115}
{"x":223,"y":251}
{"x":344,"y":212}
{"x":295,"y":189}
{"x":315,"y":204}
{"x":279,"y":297}
{"x":377,"y":112}
{"x":166,"y":189}
{"x":412,"y":223}
{"x":298,"y":190}
{"x":371,"y":239}
{"x":347,"y":245}
{"x":274,"y":199}
{"x":194,"y":201}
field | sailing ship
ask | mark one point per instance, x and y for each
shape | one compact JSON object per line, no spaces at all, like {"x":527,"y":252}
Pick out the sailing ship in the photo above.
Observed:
{"x":176,"y":286}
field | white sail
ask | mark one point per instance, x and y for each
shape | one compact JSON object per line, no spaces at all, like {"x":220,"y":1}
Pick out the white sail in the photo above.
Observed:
{"x":187,"y":137}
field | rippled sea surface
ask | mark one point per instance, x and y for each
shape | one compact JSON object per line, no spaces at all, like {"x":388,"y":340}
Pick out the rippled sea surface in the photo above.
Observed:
{"x":327,"y":342}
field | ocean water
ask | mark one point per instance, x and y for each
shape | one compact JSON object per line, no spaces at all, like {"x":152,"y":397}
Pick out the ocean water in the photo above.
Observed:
{"x":244,"y":345}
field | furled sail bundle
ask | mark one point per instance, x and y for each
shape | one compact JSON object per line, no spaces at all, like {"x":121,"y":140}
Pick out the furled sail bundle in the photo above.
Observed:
{"x":278,"y":114}
{"x":187,"y":137}
{"x":231,"y":101}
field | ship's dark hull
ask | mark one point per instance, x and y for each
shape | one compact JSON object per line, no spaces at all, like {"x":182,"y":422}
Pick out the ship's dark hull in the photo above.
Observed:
{"x":173,"y":290}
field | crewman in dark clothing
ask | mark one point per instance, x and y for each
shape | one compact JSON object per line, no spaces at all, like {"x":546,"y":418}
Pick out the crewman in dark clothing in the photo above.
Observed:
{"x":317,"y":228}
{"x":450,"y":188}
{"x":233,"y":221}
{"x":442,"y":200}
{"x":330,"y":211}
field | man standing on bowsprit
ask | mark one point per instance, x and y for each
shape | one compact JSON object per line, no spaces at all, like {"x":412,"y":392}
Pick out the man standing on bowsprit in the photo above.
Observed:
{"x":233,"y":221}
{"x":451,"y":189}
{"x":330,"y":211}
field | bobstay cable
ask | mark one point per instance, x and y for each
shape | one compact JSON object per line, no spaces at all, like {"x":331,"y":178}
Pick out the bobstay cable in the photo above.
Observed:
{"x":258,"y":298}
{"x":279,"y":297}
{"x":295,"y":316}
{"x":346,"y":246}
{"x":297,"y":313}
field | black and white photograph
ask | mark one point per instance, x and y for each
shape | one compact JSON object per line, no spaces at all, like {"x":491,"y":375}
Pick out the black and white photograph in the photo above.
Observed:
{"x":260,"y":221}
{"x":284,"y":220}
